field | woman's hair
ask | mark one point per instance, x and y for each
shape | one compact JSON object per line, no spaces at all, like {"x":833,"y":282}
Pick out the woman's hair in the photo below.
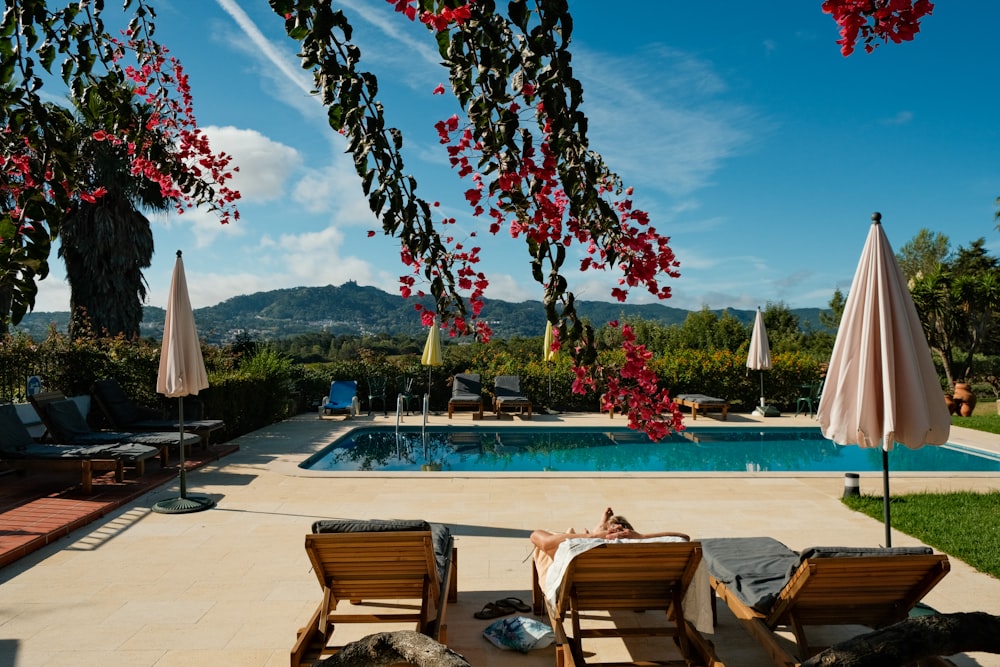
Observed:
{"x":619,"y":520}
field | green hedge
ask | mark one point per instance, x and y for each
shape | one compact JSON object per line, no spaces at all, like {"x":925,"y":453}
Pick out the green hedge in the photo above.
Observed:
{"x":253,"y":385}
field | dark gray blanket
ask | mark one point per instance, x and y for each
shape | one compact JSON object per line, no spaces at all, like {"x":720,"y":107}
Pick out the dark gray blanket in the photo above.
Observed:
{"x":755,"y":569}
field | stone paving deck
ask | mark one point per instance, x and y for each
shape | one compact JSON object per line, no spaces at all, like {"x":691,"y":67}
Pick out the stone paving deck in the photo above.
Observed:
{"x":230,"y":586}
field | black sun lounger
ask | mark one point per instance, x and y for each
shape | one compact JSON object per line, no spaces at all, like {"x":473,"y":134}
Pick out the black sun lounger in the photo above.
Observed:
{"x":19,"y":451}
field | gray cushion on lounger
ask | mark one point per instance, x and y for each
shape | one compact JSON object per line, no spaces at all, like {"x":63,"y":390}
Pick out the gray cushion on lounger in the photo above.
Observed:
{"x":700,"y":398}
{"x":157,"y":438}
{"x":857,"y":552}
{"x":755,"y":569}
{"x":440,"y":534}
{"x":14,"y":434}
{"x":67,"y":419}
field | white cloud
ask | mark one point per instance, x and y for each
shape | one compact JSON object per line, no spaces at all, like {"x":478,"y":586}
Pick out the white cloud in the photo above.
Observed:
{"x":666,"y":124}
{"x":264,"y":164}
{"x":901,"y":118}
{"x":277,"y":56}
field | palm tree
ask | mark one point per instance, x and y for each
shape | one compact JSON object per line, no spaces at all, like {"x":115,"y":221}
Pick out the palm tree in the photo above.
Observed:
{"x":108,"y":242}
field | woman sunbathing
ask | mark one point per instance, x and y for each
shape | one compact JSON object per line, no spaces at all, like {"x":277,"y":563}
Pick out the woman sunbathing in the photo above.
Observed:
{"x":609,"y":527}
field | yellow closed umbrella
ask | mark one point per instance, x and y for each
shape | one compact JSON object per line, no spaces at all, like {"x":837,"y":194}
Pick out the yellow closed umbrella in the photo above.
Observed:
{"x":548,"y":354}
{"x":432,"y":352}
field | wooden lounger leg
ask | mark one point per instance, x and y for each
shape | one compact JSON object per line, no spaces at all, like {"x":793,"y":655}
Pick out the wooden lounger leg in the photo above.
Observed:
{"x":755,"y":626}
{"x":453,"y":577}
{"x":87,"y":477}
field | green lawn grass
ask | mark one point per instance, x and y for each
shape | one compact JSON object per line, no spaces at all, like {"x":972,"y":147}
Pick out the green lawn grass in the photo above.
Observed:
{"x":988,"y":421}
{"x":965,"y":524}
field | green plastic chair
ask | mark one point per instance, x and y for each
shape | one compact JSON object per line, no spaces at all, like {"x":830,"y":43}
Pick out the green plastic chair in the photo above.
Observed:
{"x":376,"y":392}
{"x":811,"y":402}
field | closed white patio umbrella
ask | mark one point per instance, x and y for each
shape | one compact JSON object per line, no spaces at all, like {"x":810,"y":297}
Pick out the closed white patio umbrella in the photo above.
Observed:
{"x":182,"y":373}
{"x":759,"y":359}
{"x":882,"y":388}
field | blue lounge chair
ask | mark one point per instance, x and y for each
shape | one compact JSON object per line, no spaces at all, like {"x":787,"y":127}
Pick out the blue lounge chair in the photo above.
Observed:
{"x":342,"y":399}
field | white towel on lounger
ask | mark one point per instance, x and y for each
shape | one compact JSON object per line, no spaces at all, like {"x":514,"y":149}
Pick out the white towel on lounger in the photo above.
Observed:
{"x":697,"y":602}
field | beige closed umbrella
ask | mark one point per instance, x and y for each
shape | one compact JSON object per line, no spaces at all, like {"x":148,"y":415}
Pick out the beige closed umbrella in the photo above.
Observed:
{"x":759,"y":359}
{"x":882,"y":388}
{"x":182,"y":373}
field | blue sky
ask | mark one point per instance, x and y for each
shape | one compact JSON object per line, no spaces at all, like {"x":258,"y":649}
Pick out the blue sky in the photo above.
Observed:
{"x":754,"y":145}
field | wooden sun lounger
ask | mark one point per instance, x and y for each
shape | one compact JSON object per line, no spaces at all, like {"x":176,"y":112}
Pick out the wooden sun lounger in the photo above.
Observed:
{"x":19,"y":451}
{"x":86,"y":466}
{"x":857,"y":589}
{"x":367,"y":567}
{"x":125,"y":416}
{"x":703,"y":403}
{"x":651,"y":576}
{"x":466,"y":393}
{"x":65,"y":425}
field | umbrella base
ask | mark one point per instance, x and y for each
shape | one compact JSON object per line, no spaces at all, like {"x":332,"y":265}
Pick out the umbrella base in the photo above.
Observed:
{"x":766,"y":411}
{"x":183,"y":505}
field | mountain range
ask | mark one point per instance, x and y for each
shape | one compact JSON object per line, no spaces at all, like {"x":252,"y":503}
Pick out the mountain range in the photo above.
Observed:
{"x":355,"y":309}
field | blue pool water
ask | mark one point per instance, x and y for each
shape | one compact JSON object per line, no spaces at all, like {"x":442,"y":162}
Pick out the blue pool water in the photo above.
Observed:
{"x":481,"y":449}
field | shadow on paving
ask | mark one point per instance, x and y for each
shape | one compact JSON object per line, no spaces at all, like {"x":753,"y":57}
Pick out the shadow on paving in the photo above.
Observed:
{"x":39,"y":507}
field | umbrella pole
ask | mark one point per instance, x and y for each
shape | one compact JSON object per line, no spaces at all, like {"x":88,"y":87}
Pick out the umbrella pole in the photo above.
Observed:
{"x":762,"y":389}
{"x":182,"y":504}
{"x":180,"y":441}
{"x":885,"y":497}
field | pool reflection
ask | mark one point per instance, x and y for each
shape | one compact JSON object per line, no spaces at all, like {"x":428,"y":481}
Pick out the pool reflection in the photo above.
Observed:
{"x":622,"y":450}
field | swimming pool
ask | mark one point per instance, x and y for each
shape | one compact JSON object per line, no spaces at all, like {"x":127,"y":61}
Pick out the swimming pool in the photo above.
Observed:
{"x":583,"y":449}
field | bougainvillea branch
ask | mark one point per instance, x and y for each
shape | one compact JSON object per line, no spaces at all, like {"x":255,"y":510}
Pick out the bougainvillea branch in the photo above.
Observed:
{"x":520,"y":141}
{"x":871,"y":21}
{"x":130,"y":82}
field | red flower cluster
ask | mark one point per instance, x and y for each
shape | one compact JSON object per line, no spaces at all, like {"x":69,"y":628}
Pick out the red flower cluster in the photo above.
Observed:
{"x":164,"y":88}
{"x":896,"y":20}
{"x":635,"y":388}
{"x":438,"y":22}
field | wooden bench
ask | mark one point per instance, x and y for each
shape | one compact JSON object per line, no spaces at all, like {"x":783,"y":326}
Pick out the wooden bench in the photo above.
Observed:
{"x":703,"y":403}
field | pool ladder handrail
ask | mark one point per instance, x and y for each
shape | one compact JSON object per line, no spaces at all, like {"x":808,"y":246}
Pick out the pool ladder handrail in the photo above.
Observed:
{"x":399,"y":411}
{"x":426,"y":411}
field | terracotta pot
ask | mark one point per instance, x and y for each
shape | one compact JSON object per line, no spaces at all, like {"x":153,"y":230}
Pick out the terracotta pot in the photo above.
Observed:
{"x":952,"y":406}
{"x":963,"y":393}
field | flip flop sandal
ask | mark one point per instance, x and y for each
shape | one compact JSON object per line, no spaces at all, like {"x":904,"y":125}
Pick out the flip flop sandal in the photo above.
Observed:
{"x":491,"y":610}
{"x":515,"y":604}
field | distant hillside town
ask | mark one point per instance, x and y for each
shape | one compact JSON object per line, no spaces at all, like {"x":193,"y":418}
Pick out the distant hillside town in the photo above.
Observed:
{"x":354,"y":309}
